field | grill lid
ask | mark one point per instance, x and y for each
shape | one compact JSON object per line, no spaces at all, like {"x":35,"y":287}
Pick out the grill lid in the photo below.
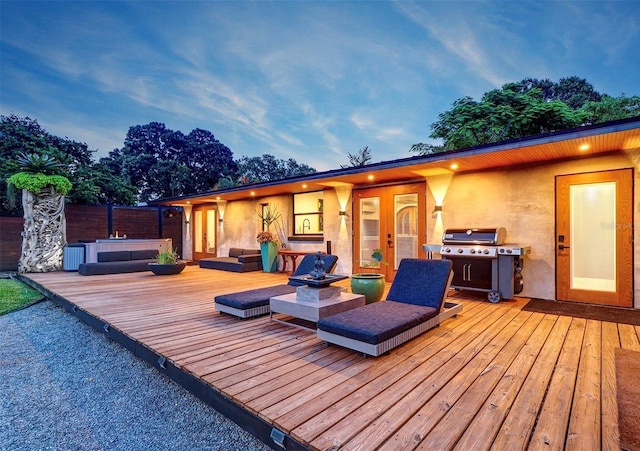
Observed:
{"x":486,"y":237}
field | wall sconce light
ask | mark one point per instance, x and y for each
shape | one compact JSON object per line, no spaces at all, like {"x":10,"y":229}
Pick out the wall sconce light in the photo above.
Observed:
{"x":220,"y":220}
{"x":342,"y":213}
{"x":436,"y":210}
{"x":186,"y":221}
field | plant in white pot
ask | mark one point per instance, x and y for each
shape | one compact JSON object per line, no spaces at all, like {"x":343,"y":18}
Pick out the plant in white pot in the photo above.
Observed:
{"x":370,"y":284}
{"x":268,"y":241}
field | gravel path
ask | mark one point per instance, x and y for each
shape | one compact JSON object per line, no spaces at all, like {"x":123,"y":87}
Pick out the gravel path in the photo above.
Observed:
{"x":64,"y":386}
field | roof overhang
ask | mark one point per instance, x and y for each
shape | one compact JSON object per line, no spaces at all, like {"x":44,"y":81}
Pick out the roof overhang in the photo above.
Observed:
{"x":610,"y":137}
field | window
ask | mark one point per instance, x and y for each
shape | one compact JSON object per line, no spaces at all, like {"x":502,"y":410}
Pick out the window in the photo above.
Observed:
{"x":308,"y":213}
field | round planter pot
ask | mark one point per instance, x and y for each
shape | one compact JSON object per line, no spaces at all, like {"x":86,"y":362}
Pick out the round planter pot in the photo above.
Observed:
{"x":370,"y":285}
{"x":167,"y":269}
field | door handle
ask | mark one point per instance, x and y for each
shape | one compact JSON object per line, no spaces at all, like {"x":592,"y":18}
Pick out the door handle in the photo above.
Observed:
{"x":563,"y":247}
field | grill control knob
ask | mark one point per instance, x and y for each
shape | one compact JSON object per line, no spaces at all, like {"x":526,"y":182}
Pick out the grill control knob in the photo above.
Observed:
{"x":502,"y":251}
{"x":460,"y":250}
{"x":447,"y":249}
{"x":473,"y":251}
{"x":509,"y":251}
{"x":486,"y":251}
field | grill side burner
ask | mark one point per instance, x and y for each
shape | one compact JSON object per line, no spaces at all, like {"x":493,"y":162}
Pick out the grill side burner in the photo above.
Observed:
{"x":482,"y":261}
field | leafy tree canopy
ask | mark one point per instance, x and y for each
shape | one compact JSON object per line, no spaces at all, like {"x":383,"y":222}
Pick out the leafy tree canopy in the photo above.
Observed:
{"x":166,"y":163}
{"x":24,"y":136}
{"x":268,"y":168}
{"x":525,"y":108}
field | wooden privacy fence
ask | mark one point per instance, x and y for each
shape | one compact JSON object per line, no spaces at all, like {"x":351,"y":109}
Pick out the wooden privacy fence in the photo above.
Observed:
{"x":87,"y":223}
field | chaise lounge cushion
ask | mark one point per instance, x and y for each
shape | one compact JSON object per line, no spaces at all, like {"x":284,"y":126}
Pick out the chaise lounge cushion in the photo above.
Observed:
{"x":377,"y":322}
{"x":259,"y":297}
{"x":414,"y":304}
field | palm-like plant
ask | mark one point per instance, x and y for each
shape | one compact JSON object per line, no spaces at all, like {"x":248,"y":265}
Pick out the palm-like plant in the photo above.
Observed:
{"x":35,"y":163}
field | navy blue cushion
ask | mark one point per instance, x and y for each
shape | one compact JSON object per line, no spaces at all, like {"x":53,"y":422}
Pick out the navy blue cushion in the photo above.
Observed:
{"x":114,"y":256}
{"x":377,"y":322}
{"x":421,"y":282}
{"x":307,"y":263}
{"x":253,"y":298}
{"x":144,"y":254}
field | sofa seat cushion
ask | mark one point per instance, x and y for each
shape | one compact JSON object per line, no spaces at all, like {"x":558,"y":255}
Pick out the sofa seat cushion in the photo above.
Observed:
{"x":230,"y":264}
{"x":115,"y":267}
{"x":377,"y":322}
{"x":253,"y":298}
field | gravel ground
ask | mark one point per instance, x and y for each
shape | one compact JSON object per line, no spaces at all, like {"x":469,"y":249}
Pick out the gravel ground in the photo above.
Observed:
{"x":64,"y":386}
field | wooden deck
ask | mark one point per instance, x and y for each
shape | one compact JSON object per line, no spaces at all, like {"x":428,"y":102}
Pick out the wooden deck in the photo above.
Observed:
{"x":495,"y":377}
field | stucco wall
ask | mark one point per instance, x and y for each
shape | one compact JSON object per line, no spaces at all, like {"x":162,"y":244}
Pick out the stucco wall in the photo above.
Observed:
{"x":242,"y":224}
{"x":523,"y":201}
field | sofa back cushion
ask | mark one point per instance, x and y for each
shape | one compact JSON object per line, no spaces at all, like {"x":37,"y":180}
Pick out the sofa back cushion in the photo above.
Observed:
{"x":114,"y":256}
{"x":144,"y":254}
{"x":250,"y":251}
{"x":235,"y":252}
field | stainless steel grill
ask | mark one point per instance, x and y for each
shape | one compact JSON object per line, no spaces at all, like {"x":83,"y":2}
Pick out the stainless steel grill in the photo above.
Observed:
{"x":482,"y":261}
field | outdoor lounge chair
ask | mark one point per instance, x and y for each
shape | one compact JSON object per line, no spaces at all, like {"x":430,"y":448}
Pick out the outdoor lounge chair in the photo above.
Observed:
{"x":245,"y":304}
{"x":415,"y":303}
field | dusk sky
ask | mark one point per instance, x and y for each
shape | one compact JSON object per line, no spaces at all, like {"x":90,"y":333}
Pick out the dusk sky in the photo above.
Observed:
{"x":308,"y":80}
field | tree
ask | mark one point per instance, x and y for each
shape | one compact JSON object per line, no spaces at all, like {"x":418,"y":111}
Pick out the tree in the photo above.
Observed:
{"x":268,"y":168}
{"x":573,"y":91}
{"x":164,"y":163}
{"x":362,"y":158}
{"x":528,"y":107}
{"x":611,"y":108}
{"x":90,"y":184}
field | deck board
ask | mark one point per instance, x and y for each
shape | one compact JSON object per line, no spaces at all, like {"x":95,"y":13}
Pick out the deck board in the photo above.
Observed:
{"x":495,"y":377}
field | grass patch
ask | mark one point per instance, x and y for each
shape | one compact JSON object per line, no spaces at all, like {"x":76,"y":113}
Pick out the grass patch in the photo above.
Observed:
{"x":15,"y":295}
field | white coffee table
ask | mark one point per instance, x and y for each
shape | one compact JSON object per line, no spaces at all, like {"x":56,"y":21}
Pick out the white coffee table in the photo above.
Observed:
{"x":312,"y":311}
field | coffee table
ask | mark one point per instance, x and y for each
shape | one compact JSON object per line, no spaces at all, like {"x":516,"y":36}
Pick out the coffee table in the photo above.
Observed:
{"x":310,"y":311}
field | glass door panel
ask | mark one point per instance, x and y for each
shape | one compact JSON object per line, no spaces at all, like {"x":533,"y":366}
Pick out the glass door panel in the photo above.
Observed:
{"x":593,"y":247}
{"x":406,"y":227}
{"x":369,"y":229}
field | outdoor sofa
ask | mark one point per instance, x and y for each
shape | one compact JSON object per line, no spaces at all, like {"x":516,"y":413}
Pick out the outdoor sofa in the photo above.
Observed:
{"x":245,"y":304}
{"x":115,"y":262}
{"x":415,"y":303}
{"x":239,"y":260}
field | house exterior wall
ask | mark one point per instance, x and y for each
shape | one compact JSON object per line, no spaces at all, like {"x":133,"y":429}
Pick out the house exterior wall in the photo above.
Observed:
{"x":523,"y":201}
{"x":242,"y":224}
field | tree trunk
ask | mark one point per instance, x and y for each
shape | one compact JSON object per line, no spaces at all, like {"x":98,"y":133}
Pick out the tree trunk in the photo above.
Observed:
{"x":44,"y":235}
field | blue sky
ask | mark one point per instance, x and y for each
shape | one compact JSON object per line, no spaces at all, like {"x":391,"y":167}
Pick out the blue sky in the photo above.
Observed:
{"x":309,"y":80}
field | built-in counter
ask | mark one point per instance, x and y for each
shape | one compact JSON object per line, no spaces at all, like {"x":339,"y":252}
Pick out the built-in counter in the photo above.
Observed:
{"x":123,"y":244}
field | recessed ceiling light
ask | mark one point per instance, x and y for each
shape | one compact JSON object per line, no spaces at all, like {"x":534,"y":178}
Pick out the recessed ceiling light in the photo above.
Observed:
{"x":454,"y":166}
{"x":370,"y":177}
{"x":253,"y":193}
{"x":304,"y":185}
{"x":584,"y":147}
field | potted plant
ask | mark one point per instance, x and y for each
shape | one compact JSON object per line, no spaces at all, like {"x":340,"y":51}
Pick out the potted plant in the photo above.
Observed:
{"x":267,"y":240}
{"x":167,"y":262}
{"x":370,"y":284}
{"x":268,"y":250}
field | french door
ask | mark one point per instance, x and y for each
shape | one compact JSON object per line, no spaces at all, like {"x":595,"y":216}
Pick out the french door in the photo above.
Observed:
{"x":594,"y":238}
{"x":204,"y":232}
{"x":391,"y":219}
